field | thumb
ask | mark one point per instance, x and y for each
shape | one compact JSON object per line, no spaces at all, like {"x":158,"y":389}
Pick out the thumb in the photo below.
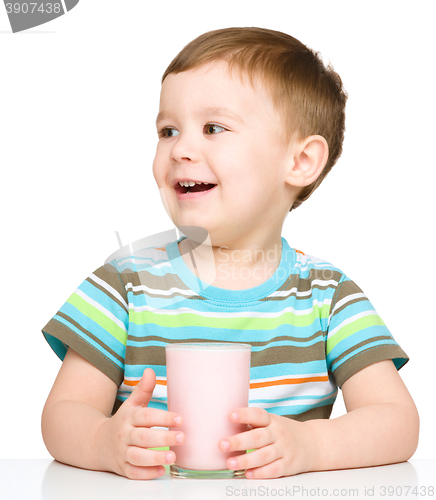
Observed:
{"x":142,"y":393}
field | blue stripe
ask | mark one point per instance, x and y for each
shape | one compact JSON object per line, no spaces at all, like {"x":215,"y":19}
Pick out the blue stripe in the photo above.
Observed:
{"x":138,"y":370}
{"x":356,"y":338}
{"x":277,"y":410}
{"x":281,"y":369}
{"x":349,"y":311}
{"x":297,"y":409}
{"x":226,"y":334}
{"x":91,"y":326}
{"x":295,"y":398}
{"x":257,"y":372}
{"x":269,"y":306}
{"x":104,"y":300}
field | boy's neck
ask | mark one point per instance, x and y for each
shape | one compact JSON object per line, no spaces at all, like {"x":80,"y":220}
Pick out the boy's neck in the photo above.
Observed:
{"x":232,"y":268}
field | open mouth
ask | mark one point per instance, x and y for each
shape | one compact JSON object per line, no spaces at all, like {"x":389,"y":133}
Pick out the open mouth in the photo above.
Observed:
{"x":197,"y":188}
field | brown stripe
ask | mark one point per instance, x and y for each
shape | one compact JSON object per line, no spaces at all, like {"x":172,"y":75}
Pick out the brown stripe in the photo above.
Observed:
{"x":364,"y":359}
{"x":344,"y":289}
{"x":106,"y":292}
{"x":169,"y":281}
{"x":95,"y":357}
{"x":349,"y":303}
{"x":314,"y":413}
{"x":151,"y":355}
{"x":155,"y":355}
{"x":306,"y":284}
{"x":288,"y":354}
{"x":111,"y":277}
{"x":166,"y":282}
{"x":90,"y":335}
{"x":284,"y":338}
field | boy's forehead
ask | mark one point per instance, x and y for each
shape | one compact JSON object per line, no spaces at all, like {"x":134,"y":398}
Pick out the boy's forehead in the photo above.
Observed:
{"x":211,"y":89}
{"x":204,"y":111}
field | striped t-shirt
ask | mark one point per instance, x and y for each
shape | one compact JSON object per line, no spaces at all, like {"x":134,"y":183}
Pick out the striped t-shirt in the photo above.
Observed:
{"x":309,"y":326}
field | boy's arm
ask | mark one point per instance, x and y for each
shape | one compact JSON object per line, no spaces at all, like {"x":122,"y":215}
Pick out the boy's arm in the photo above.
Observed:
{"x":381,"y":427}
{"x":78,"y":430}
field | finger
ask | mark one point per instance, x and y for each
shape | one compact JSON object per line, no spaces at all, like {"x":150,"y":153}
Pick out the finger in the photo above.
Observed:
{"x":143,"y":391}
{"x":141,"y":473}
{"x":256,"y":417}
{"x":257,"y":458}
{"x":149,"y":417}
{"x":142,"y":457}
{"x":256,"y":438}
{"x":154,"y":438}
{"x":272,"y":470}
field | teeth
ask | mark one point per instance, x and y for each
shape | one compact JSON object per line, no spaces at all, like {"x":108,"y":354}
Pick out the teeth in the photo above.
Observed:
{"x":191,"y":183}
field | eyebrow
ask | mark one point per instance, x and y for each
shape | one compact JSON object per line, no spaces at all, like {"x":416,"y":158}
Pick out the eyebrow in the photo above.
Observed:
{"x":212,"y":110}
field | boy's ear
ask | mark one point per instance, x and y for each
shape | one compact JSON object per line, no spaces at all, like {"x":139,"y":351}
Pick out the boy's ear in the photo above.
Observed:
{"x":307,"y":161}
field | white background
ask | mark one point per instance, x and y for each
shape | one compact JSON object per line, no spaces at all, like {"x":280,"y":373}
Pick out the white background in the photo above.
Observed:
{"x":78,"y":101}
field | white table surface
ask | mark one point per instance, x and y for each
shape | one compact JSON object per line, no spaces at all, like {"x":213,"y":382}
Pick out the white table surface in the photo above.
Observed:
{"x":51,"y":480}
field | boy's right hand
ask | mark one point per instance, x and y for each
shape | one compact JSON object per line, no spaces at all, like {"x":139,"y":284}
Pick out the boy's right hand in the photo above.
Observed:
{"x":124,"y":439}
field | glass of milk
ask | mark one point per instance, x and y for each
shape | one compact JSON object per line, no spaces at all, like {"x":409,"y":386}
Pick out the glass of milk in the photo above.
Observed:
{"x":205,"y":382}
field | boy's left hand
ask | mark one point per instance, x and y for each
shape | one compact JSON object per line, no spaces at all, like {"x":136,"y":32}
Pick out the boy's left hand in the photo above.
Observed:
{"x":282,"y":446}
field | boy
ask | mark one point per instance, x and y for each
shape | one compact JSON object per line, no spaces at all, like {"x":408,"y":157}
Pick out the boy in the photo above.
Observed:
{"x":250,"y":122}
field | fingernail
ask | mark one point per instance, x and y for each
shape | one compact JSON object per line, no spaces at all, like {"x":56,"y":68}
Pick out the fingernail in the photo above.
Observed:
{"x":179,"y":438}
{"x":161,"y":470}
{"x":235,"y":416}
{"x":225,"y":445}
{"x":249,"y":474}
{"x":232,"y":463}
{"x":178,"y":420}
{"x":169,"y":457}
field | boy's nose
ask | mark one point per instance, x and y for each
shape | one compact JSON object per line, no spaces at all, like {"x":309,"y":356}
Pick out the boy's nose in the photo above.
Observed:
{"x":185,"y":149}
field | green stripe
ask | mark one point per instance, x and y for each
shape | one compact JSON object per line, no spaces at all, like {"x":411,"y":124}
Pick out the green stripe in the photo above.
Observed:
{"x":239,"y":323}
{"x":355,"y":326}
{"x":98,"y":317}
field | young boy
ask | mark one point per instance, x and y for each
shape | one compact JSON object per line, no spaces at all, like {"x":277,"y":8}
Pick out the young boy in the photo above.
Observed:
{"x":250,"y":122}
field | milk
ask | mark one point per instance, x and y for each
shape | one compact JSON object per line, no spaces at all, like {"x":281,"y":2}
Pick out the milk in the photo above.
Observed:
{"x":205,"y":382}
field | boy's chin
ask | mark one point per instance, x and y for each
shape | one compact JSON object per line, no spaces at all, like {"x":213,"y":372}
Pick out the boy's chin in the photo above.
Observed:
{"x":196,"y":234}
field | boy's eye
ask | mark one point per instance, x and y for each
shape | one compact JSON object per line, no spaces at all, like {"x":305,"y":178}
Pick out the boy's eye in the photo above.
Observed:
{"x":168,"y":132}
{"x":210,"y":128}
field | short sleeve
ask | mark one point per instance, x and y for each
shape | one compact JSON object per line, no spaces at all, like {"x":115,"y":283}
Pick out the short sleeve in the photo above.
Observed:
{"x":94,"y":322}
{"x":357,"y":336}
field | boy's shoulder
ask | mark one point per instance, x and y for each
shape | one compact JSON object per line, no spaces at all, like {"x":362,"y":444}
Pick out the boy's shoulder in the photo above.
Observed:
{"x":317,"y":273}
{"x":137,"y":257}
{"x":310,"y":266}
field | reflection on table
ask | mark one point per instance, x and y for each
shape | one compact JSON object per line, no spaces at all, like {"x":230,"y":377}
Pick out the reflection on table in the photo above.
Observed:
{"x":68,"y":483}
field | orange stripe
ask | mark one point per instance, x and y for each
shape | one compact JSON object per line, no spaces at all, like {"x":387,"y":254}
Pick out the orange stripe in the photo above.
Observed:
{"x":255,"y":385}
{"x":299,"y":251}
{"x":134,"y":383}
{"x":286,"y":381}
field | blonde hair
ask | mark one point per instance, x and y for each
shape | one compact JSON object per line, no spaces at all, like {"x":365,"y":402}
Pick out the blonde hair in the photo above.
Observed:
{"x":308,"y":95}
